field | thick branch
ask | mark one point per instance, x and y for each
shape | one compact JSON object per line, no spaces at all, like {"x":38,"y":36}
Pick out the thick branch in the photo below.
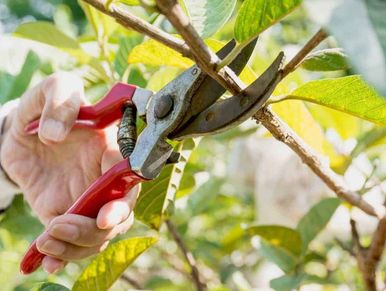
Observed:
{"x":204,"y":57}
{"x":285,"y":134}
{"x":132,"y":22}
{"x":187,"y":254}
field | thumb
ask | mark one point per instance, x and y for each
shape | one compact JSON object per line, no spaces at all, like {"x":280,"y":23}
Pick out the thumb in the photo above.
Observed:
{"x":63,"y":94}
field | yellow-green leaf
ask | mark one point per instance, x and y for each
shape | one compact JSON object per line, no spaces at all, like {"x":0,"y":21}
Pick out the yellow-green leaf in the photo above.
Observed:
{"x":47,"y":33}
{"x":348,"y":94}
{"x":278,"y":236}
{"x":208,"y":16}
{"x":297,"y":116}
{"x":346,"y":125}
{"x":106,"y":268}
{"x":255,"y":16}
{"x":153,"y":53}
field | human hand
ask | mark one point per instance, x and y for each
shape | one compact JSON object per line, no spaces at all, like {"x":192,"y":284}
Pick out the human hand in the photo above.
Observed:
{"x":54,"y":168}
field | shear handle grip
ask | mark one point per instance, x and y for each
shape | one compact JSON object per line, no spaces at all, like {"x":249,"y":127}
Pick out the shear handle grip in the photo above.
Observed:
{"x":114,"y":184}
{"x":100,"y":115}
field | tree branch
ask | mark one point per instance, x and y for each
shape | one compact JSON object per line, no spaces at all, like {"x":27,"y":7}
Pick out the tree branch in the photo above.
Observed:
{"x":132,"y":22}
{"x":203,"y":56}
{"x":187,"y":254}
{"x":285,"y":134}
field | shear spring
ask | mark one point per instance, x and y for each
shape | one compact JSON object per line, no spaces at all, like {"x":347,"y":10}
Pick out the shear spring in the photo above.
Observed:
{"x":127,"y":132}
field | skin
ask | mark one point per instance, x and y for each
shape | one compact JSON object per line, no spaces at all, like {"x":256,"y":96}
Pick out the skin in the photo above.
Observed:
{"x":55,"y":167}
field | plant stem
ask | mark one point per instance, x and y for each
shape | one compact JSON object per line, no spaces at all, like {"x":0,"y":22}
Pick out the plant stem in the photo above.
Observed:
{"x":285,"y":134}
{"x":187,"y":255}
{"x":318,"y":37}
{"x":131,"y":281}
{"x":204,"y":57}
{"x":132,"y":22}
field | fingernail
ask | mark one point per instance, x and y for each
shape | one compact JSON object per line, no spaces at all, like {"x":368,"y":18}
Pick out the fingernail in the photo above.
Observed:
{"x":64,"y":231}
{"x":53,"y":247}
{"x":53,"y":130}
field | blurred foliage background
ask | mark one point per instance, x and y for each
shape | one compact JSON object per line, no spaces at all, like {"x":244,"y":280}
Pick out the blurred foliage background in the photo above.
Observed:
{"x":232,"y":181}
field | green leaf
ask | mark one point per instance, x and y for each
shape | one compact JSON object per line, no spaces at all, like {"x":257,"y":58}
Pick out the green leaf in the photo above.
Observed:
{"x":255,"y":16}
{"x":208,"y":16}
{"x":52,"y":287}
{"x":348,"y":94}
{"x":106,"y":268}
{"x":283,"y":259}
{"x":326,"y":60}
{"x":19,"y":220}
{"x":316,"y":219}
{"x":278,"y":236}
{"x":206,"y":193}
{"x":47,"y":33}
{"x":23,"y":79}
{"x":126,"y":44}
{"x":363,"y":39}
{"x":156,"y":195}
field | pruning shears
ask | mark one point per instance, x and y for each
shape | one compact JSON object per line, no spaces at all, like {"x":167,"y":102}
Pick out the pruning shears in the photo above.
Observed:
{"x":188,"y":106}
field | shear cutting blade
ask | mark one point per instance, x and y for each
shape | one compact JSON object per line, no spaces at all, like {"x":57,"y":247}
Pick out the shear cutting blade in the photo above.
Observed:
{"x":233,"y":111}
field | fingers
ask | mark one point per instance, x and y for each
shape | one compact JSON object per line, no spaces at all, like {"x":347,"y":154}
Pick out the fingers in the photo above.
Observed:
{"x":65,"y":251}
{"x":57,"y":101}
{"x":73,"y":237}
{"x":52,"y":265}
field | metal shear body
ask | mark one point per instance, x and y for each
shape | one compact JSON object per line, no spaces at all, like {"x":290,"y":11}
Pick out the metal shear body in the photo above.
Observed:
{"x":186,"y":107}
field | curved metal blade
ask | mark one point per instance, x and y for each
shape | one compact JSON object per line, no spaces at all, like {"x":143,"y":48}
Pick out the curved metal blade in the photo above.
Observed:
{"x":233,"y":111}
{"x":210,"y":90}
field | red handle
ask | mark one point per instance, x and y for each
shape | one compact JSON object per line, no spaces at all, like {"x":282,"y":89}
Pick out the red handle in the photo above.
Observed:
{"x":100,"y":115}
{"x":114,"y":184}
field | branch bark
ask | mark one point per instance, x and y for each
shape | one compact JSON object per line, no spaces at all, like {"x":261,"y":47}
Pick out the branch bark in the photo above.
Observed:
{"x":187,"y":255}
{"x":132,"y":22}
{"x":204,"y":57}
{"x":285,"y":134}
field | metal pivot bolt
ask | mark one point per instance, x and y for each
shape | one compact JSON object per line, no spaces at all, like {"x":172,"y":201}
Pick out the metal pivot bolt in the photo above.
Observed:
{"x":164,"y":106}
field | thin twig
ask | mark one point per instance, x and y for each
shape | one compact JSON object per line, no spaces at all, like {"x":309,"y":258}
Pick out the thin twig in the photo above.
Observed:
{"x":308,"y":47}
{"x":131,"y":281}
{"x":187,"y":255}
{"x":361,"y":254}
{"x":132,"y":22}
{"x":203,"y":56}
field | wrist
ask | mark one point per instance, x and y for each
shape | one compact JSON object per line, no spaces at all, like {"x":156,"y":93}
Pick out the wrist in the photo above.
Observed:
{"x":8,"y":187}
